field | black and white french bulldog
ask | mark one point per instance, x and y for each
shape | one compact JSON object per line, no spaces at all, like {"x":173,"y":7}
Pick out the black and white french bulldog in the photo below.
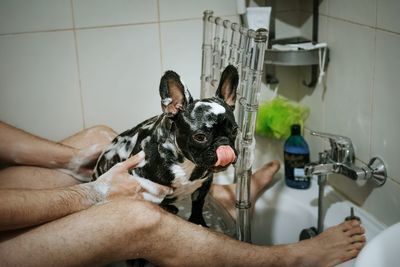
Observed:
{"x":184,"y":145}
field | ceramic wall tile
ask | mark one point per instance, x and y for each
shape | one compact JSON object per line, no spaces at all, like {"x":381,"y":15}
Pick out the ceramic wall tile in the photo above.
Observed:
{"x":90,"y":13}
{"x":314,"y":98}
{"x":287,"y":5}
{"x":386,"y":109}
{"x":183,"y":9}
{"x":388,"y":15}
{"x":359,"y":11}
{"x":40,"y":15}
{"x":307,"y":6}
{"x":183,"y":57}
{"x":287,"y":24}
{"x":382,"y":202}
{"x":120,"y":74}
{"x":39,"y":88}
{"x":349,"y":83}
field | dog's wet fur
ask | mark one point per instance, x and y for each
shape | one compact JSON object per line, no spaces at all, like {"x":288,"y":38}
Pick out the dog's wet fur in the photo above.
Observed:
{"x":180,"y":145}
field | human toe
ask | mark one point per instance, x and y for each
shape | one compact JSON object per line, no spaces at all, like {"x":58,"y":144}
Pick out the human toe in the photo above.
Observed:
{"x":355,"y":230}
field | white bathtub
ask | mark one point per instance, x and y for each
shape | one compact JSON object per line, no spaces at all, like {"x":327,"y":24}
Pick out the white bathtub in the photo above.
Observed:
{"x":282,"y":212}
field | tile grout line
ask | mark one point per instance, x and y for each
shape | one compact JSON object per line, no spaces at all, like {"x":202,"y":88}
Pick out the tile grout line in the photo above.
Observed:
{"x":371,"y":93}
{"x":326,"y":74}
{"x":78,"y":65}
{"x":359,"y":24}
{"x":376,"y":15}
{"x":159,"y":36}
{"x":107,"y":26}
{"x":328,"y":26}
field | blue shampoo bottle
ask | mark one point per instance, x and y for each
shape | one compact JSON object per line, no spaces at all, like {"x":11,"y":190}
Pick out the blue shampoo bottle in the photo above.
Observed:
{"x":296,"y":156}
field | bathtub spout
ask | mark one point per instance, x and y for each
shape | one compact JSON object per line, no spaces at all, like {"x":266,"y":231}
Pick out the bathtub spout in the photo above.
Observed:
{"x":319,"y":169}
{"x":352,"y":172}
{"x":340,"y":159}
{"x":377,"y":173}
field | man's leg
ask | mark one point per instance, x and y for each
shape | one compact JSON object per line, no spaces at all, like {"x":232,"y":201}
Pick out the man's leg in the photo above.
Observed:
{"x":96,"y":135}
{"x":28,"y":177}
{"x":115,"y":221}
{"x":126,"y":229}
{"x":226,"y":194}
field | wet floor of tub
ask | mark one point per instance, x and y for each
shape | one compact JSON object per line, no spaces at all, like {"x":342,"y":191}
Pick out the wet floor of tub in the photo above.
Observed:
{"x":215,"y":215}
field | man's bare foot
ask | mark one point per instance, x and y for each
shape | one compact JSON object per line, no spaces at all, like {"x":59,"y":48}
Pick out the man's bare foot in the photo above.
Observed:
{"x":335,"y":245}
{"x":226,"y":194}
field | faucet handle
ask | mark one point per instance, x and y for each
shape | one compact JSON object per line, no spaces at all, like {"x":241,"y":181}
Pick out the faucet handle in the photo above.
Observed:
{"x":332,"y":137}
{"x":342,"y":150}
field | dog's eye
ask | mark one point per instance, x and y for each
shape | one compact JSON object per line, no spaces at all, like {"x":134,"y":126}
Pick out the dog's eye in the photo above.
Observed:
{"x":201,"y":138}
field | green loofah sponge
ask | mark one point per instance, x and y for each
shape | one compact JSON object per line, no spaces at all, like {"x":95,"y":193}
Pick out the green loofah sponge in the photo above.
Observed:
{"x":275,"y":117}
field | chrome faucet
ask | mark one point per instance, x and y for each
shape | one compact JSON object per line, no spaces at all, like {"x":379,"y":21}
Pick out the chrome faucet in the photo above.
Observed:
{"x":340,"y":159}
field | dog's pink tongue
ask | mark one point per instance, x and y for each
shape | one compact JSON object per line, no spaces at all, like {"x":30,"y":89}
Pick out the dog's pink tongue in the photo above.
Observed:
{"x":225,"y":156}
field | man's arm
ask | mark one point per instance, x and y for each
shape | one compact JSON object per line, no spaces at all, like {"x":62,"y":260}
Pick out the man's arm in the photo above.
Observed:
{"x":20,"y":147}
{"x":23,"y":208}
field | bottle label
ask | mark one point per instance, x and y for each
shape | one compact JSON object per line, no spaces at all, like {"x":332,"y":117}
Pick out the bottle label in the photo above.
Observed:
{"x":294,"y":166}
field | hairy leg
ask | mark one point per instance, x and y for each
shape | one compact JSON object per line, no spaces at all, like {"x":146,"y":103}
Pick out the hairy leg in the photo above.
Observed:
{"x":226,"y":194}
{"x":29,"y":177}
{"x":95,"y":135}
{"x":127,"y":229}
{"x":335,"y":245}
{"x":138,"y":226}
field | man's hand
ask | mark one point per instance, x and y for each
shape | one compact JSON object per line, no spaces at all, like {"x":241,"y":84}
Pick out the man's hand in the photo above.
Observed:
{"x":117,"y":182}
{"x":50,"y":204}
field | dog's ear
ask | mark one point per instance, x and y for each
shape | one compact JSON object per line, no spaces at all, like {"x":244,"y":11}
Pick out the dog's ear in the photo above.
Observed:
{"x":174,"y":94}
{"x":227,"y":85}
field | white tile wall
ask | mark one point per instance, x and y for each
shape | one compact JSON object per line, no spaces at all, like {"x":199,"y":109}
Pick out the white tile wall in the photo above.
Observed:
{"x":314,"y":98}
{"x":349,"y":83}
{"x":120,"y":73}
{"x":119,"y":54}
{"x":287,"y":24}
{"x":384,"y":202}
{"x":388,"y":15}
{"x":360,"y":11}
{"x":89,"y":13}
{"x":386,"y":108}
{"x":306,"y":5}
{"x":323,"y":7}
{"x":181,"y":51}
{"x":287,"y":5}
{"x":39,"y":89}
{"x":183,"y":9}
{"x":38,"y":15}
{"x":361,"y":93}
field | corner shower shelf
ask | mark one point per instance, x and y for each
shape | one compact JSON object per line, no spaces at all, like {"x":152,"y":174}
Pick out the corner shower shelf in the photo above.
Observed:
{"x":299,"y":57}
{"x":291,"y":57}
{"x":308,"y":57}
